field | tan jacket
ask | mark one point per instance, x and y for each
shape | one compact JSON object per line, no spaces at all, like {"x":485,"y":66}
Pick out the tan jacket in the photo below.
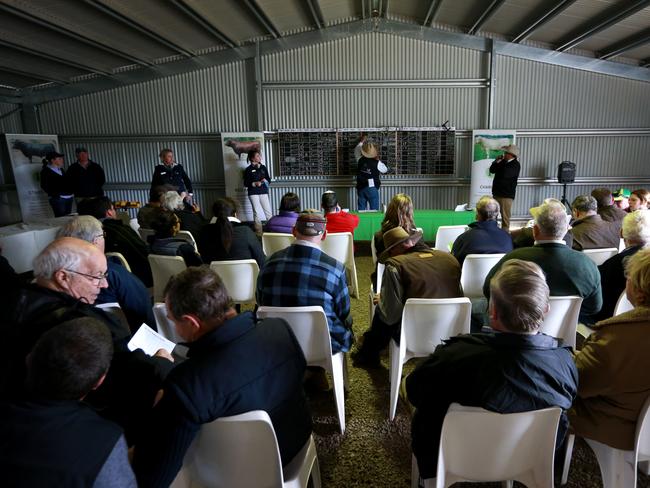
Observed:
{"x":613,"y":379}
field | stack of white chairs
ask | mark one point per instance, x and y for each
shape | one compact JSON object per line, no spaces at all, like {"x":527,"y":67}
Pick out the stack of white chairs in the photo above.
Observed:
{"x":340,"y":246}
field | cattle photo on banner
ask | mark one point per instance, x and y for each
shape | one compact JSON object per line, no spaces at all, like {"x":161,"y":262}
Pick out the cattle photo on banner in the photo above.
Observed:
{"x":487,"y":145}
{"x":26,"y":152}
{"x":235,"y":147}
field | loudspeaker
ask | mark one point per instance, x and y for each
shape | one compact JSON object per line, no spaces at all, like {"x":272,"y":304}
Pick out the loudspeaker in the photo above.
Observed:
{"x":566,"y":172}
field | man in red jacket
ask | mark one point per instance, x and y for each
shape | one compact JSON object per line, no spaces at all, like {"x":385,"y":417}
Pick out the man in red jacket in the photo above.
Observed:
{"x":337,"y":219}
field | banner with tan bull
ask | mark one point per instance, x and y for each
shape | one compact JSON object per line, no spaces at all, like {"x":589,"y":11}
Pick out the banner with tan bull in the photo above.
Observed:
{"x":235,"y":147}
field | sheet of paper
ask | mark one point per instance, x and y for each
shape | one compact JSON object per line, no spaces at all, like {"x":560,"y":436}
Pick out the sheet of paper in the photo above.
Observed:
{"x":371,"y":183}
{"x":149,"y":341}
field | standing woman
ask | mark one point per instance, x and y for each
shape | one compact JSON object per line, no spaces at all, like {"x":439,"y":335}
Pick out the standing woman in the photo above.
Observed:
{"x":170,"y":173}
{"x":256,"y":179}
{"x":56,"y":184}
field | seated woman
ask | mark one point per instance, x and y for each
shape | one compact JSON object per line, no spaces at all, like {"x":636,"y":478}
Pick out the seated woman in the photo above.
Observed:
{"x":613,"y":367}
{"x":228,"y":239}
{"x":639,"y":200}
{"x":287,"y":216}
{"x":192,"y":220}
{"x":166,"y":225}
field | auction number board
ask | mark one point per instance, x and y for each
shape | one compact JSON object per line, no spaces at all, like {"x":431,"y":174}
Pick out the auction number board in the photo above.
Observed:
{"x":330,"y":152}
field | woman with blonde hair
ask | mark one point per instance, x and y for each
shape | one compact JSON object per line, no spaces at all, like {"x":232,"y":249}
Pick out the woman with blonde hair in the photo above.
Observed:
{"x":399,"y":213}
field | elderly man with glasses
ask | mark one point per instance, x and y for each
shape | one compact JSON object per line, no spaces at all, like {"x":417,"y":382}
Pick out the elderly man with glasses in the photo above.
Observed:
{"x":69,"y":275}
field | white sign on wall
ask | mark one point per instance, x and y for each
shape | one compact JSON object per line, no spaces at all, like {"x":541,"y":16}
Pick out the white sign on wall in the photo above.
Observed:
{"x":487,"y":145}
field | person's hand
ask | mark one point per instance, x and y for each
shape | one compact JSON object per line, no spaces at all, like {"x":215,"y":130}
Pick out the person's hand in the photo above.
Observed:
{"x":163,"y":353}
{"x":375,"y":299}
{"x":196,"y":208}
{"x":363,"y":138}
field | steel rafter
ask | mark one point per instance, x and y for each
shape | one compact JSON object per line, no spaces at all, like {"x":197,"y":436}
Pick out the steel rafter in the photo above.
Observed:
{"x":625,"y":45}
{"x":485,"y":16}
{"x":33,"y":76}
{"x":262,"y":18}
{"x":546,"y":17}
{"x":432,"y":12}
{"x":199,"y":19}
{"x":316,"y":13}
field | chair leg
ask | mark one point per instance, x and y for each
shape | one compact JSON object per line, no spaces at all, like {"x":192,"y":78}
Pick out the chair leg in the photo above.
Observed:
{"x":615,"y":471}
{"x":315,"y":474}
{"x":415,"y":472}
{"x":567,"y":458}
{"x":395,"y":376}
{"x":339,"y":394}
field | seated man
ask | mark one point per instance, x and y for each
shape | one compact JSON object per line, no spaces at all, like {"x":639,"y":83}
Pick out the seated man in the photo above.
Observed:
{"x":589,"y":230}
{"x":514,"y":369}
{"x":234,"y":365}
{"x":123,"y":286}
{"x":483,"y":236}
{"x":302,"y":275}
{"x":288,"y":214}
{"x":72,"y":445}
{"x":119,"y":237}
{"x":568,"y":272}
{"x":409,"y":273}
{"x":613,"y":367}
{"x":524,"y":237}
{"x":606,"y":208}
{"x":337,"y":219}
{"x":155,"y":196}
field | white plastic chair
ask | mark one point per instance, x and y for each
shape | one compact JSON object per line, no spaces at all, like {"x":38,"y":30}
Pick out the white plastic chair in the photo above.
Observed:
{"x":425,"y":323}
{"x":375,"y":289}
{"x":133,"y":223}
{"x":309,"y":325}
{"x":165,"y":326}
{"x":446,"y":235}
{"x":19,"y":249}
{"x":239,"y":277}
{"x":599,"y":256}
{"x":618,"y":468}
{"x":562,"y":319}
{"x":241,"y":452}
{"x":163,"y":268}
{"x":478,"y":445}
{"x":121,"y":259}
{"x":145,"y":234}
{"x":187,"y":236}
{"x":273,"y":242}
{"x":340,"y":246}
{"x":475,"y":269}
{"x":621,"y":245}
{"x":622,"y":304}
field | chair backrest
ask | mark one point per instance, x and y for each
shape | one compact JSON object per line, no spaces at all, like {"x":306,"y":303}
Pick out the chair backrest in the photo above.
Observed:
{"x":273,"y":242}
{"x":120,"y":257}
{"x":427,"y":321}
{"x":380,"y":276}
{"x":475,"y":269}
{"x":133,"y":223}
{"x":339,"y":246}
{"x":309,"y":325}
{"x":621,"y":245}
{"x":642,"y":437}
{"x":479,"y":445}
{"x":239,"y":277}
{"x":599,"y":256}
{"x":622,"y":304}
{"x":145,"y":234}
{"x":446,"y":235}
{"x":373,"y":249}
{"x":165,"y":326}
{"x":236,"y":452}
{"x":562,"y":318}
{"x":163,"y":268}
{"x":187,"y":236}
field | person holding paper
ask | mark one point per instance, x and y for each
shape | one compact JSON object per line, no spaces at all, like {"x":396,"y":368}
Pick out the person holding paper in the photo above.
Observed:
{"x":234,"y":365}
{"x":369,"y":168}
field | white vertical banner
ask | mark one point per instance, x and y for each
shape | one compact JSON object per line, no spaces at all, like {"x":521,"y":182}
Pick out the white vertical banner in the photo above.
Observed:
{"x":26,"y":152}
{"x":235,"y":147}
{"x":487,"y":145}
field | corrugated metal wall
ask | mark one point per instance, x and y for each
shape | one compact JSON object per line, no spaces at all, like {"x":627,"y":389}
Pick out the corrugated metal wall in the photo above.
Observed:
{"x":10,"y":122}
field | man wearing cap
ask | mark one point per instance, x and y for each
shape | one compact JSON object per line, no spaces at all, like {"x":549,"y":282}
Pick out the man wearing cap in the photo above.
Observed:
{"x":86,"y":177}
{"x":369,"y":168}
{"x":302,"y":275}
{"x":410,"y":273}
{"x":589,"y":230}
{"x":621,"y":198}
{"x":337,"y":219}
{"x":506,"y":172}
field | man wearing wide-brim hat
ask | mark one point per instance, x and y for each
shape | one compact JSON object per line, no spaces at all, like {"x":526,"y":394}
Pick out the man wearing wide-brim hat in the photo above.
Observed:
{"x":369,"y":169}
{"x":411,"y":272}
{"x":506,"y":170}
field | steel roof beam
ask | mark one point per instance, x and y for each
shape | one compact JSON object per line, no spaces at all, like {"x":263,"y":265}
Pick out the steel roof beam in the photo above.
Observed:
{"x":485,"y":16}
{"x":316,"y":13}
{"x":645,"y":63}
{"x":625,"y":45}
{"x":33,"y":76}
{"x":611,"y":17}
{"x":73,"y":35}
{"x":140,"y":28}
{"x":546,"y":17}
{"x":432,"y":12}
{"x":262,"y":18}
{"x":199,"y":19}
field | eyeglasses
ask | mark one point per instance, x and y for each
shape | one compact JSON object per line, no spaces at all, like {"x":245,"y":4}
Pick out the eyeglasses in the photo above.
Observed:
{"x":99,"y":278}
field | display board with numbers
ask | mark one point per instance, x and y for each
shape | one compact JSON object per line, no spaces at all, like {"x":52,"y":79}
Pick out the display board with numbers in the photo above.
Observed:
{"x":330,"y":152}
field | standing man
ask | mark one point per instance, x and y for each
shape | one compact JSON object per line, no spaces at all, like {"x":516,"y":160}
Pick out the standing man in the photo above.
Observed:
{"x":506,"y":172}
{"x":86,"y":177}
{"x":170,"y":173}
{"x":369,"y":168}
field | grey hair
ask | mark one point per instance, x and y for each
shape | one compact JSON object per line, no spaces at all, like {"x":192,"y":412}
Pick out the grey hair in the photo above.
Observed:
{"x":54,"y":258}
{"x":171,"y":201}
{"x":552,"y":219}
{"x":585,"y":203}
{"x":84,"y":227}
{"x":487,"y":208}
{"x":636,"y":227}
{"x":520,"y":295}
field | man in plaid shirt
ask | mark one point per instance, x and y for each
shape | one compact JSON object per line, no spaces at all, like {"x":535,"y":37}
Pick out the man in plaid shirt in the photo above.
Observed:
{"x":303,"y":275}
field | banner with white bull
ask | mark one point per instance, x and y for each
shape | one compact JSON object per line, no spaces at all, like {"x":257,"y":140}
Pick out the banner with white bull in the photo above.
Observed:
{"x":487,"y":145}
{"x":26,"y":152}
{"x":235,"y":147}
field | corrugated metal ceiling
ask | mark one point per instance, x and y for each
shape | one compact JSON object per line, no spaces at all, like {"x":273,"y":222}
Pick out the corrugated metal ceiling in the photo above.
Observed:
{"x":63,"y":41}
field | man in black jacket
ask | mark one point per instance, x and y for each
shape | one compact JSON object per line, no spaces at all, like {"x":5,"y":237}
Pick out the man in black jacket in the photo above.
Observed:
{"x":514,"y":369}
{"x":86,"y":177}
{"x":506,"y":170}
